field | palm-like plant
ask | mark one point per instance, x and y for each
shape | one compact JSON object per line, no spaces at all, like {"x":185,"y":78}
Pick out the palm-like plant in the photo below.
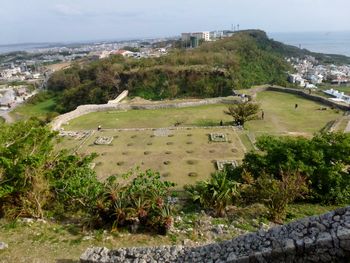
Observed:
{"x":216,"y":193}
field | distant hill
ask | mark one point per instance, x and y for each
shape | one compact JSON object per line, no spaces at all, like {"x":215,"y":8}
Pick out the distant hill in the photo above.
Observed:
{"x":292,"y":51}
{"x":215,"y":68}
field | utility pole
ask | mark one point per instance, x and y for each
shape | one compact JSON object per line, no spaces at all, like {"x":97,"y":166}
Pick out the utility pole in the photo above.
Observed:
{"x":237,"y":27}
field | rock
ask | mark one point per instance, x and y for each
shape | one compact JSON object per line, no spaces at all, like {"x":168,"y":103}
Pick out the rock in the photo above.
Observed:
{"x":187,"y":242}
{"x":27,"y":220}
{"x":3,"y":245}
{"x":325,"y":238}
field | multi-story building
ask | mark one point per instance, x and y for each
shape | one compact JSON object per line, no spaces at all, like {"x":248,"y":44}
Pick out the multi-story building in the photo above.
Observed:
{"x":205,"y":35}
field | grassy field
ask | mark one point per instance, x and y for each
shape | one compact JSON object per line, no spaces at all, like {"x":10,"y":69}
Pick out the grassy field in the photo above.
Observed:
{"x":192,"y":116}
{"x":182,"y":152}
{"x":28,"y":110}
{"x":174,"y":153}
{"x":282,"y":118}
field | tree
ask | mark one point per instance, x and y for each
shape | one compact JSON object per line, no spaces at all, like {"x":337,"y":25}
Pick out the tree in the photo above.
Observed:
{"x":276,"y":194}
{"x":216,"y":193}
{"x":35,"y":178}
{"x":243,"y":112}
{"x":324,"y":160}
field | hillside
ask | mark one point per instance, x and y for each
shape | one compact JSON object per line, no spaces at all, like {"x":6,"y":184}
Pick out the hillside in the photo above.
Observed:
{"x":215,"y":68}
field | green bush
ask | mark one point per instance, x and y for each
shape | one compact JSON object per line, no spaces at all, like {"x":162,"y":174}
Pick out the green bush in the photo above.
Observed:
{"x":323,"y":160}
{"x":216,"y":193}
{"x":142,"y":202}
{"x":276,"y":194}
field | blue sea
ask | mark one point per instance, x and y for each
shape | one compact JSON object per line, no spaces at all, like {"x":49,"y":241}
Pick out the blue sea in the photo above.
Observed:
{"x":21,"y":47}
{"x":323,"y":42}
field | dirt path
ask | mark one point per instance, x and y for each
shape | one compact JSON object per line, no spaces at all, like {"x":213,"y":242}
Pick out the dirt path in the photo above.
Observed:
{"x":347,"y":129}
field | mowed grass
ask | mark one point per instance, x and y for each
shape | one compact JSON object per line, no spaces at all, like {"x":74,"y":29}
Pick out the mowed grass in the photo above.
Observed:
{"x":207,"y":115}
{"x":281,"y":117}
{"x":38,"y":110}
{"x":183,"y":156}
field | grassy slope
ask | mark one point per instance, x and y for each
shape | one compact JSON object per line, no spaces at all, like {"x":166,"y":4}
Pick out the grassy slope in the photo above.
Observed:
{"x":39,"y":110}
{"x":65,"y":243}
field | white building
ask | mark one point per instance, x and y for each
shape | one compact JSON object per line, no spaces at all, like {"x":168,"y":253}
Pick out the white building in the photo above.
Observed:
{"x":205,"y":35}
{"x":339,"y":96}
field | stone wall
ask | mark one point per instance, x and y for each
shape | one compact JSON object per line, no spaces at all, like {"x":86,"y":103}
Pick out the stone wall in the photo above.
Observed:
{"x":313,"y":97}
{"x":324,"y":238}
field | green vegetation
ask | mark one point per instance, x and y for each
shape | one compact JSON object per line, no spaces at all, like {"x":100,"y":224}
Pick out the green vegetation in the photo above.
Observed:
{"x":33,"y":176}
{"x":42,"y":110}
{"x":213,"y":69}
{"x":277,"y":194}
{"x":142,"y":203}
{"x":36,"y":181}
{"x":216,"y":193}
{"x":323,"y":160}
{"x":191,"y":116}
{"x":281,"y":117}
{"x":243,"y":112}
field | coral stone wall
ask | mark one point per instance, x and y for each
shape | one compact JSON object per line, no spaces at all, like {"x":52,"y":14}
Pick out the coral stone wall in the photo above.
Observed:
{"x":324,"y":238}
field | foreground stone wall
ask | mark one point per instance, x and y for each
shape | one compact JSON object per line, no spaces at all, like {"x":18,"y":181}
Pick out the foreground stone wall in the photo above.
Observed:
{"x":324,"y":238}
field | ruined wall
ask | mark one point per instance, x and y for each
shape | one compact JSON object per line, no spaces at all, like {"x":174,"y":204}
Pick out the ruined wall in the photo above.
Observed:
{"x":313,"y":97}
{"x":324,"y":238}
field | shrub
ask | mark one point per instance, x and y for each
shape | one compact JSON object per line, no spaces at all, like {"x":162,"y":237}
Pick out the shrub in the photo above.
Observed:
{"x":216,"y":193}
{"x":141,"y":202}
{"x":324,"y":160}
{"x":276,"y":194}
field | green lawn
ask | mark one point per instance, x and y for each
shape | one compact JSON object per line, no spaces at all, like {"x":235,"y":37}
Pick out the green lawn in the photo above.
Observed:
{"x":191,"y":116}
{"x":282,"y":118}
{"x":28,"y":110}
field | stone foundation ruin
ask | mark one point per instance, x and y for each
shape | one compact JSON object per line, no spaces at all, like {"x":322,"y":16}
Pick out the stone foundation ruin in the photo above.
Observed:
{"x":221,"y":165}
{"x":218,"y":137}
{"x":104,"y":140}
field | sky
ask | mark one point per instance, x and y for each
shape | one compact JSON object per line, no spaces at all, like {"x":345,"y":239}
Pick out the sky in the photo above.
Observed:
{"x":34,"y":21}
